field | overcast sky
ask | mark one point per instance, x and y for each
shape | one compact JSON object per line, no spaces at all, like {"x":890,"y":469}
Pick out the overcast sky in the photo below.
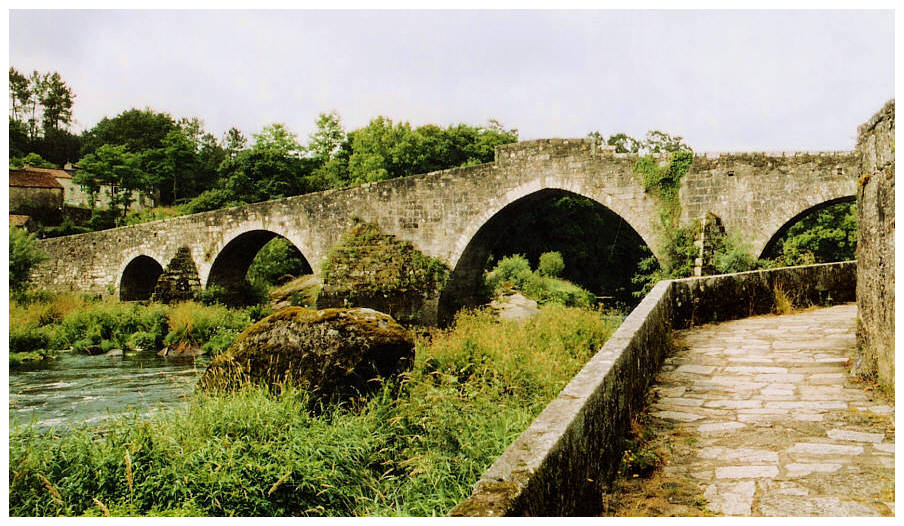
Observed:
{"x":738,"y":80}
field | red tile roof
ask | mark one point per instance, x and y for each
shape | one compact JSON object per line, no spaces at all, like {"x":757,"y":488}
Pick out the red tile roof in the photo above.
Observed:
{"x":56,"y":172}
{"x":18,"y":220}
{"x":32,"y":179}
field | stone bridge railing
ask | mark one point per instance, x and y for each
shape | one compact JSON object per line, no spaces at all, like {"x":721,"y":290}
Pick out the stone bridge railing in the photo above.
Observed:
{"x":562,"y":464}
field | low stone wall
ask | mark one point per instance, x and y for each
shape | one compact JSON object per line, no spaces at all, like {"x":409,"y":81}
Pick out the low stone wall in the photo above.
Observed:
{"x":565,"y":460}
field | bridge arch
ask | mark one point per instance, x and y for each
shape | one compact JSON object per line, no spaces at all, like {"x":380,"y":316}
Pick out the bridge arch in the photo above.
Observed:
{"x":231,"y":263}
{"x":464,"y":286}
{"x":770,"y":246}
{"x":138,"y":278}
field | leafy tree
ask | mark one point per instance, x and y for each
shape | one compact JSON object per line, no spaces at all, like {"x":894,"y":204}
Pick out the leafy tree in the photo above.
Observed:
{"x":328,"y":139}
{"x":277,"y":259}
{"x":23,"y":256}
{"x":19,"y":95}
{"x":19,"y":144}
{"x":37,"y":87}
{"x":56,"y":101}
{"x":654,"y":142}
{"x":271,"y":168}
{"x":658,"y":141}
{"x":234,"y":142}
{"x":827,"y":235}
{"x":114,"y":166}
{"x":137,"y":130}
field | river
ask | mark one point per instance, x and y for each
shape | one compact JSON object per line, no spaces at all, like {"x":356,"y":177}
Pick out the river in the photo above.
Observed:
{"x":75,"y":389}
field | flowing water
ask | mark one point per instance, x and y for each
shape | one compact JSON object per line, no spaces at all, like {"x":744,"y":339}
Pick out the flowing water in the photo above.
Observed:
{"x":75,"y":389}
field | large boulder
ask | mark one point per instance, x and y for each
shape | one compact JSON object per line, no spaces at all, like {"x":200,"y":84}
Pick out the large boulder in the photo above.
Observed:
{"x":331,"y":353}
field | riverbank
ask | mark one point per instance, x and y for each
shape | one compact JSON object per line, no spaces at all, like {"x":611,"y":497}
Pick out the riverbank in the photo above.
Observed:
{"x":472,"y":390}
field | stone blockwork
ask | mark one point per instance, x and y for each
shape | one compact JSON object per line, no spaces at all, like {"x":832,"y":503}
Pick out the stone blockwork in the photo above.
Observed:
{"x":372,"y":269}
{"x":876,"y":248}
{"x":179,"y":280}
{"x":778,"y":426}
{"x":443,"y":213}
{"x":563,"y":462}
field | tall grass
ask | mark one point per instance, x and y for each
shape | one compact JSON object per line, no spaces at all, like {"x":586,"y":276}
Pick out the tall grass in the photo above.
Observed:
{"x":68,"y":321}
{"x":415,"y":448}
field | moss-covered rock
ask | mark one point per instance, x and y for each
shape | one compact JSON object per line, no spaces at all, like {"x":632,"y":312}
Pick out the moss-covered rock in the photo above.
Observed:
{"x":332,"y":353}
{"x":370,"y":268}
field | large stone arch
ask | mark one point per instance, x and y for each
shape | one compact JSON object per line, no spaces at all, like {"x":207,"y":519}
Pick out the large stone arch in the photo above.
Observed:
{"x":138,"y":278}
{"x":783,"y":229}
{"x":234,"y":257}
{"x":637,"y":219}
{"x":468,"y":260}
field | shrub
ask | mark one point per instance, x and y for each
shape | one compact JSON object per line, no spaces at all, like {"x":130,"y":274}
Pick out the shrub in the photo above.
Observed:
{"x":551,"y":264}
{"x":194,"y":324}
{"x":212,"y":200}
{"x":23,"y":256}
{"x":277,"y":261}
{"x":515,"y":270}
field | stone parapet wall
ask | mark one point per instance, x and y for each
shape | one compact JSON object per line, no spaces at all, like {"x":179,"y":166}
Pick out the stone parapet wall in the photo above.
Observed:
{"x":563,"y":462}
{"x":876,"y":249}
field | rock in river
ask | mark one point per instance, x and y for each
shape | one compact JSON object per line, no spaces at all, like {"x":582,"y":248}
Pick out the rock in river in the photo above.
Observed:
{"x":332,"y":353}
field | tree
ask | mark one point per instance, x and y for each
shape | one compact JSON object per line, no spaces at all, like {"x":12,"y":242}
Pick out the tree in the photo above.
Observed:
{"x":23,"y":256}
{"x":57,"y":101}
{"x":37,"y":87}
{"x":115,"y":166}
{"x":328,"y":139}
{"x":658,"y":141}
{"x":234,"y":142}
{"x":137,"y":130}
{"x":270,"y":169}
{"x":19,"y":95}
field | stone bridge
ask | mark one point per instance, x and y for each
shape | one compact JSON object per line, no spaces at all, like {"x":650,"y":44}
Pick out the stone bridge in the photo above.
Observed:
{"x":456,"y":215}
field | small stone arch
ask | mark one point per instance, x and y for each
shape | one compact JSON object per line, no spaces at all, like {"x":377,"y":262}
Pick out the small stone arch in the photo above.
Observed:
{"x":139,"y":277}
{"x":769,"y":247}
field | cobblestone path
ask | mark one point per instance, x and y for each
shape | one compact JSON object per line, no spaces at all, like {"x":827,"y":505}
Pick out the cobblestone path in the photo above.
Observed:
{"x":777,"y":426}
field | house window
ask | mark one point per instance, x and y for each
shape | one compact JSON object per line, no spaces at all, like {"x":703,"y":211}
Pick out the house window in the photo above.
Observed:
{"x":114,"y":190}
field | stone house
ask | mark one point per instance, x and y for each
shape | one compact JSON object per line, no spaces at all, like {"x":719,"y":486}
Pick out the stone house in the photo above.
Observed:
{"x":36,"y":194}
{"x":75,"y":196}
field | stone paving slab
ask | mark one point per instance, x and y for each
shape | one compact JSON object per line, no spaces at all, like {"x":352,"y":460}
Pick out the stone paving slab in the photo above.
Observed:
{"x":780,"y":427}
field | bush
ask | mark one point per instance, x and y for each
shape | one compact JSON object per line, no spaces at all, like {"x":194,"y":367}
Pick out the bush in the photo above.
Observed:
{"x":551,"y":264}
{"x":194,"y":324}
{"x":244,"y":294}
{"x":515,"y":271}
{"x":278,"y":260}
{"x":23,"y":256}
{"x":212,"y":200}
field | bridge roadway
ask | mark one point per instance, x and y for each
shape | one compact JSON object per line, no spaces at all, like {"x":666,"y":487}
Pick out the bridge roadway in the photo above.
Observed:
{"x":766,"y":420}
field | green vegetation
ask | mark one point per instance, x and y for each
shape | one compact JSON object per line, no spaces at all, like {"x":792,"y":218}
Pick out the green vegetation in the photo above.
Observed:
{"x":43,"y":326}
{"x":542,"y":287}
{"x":23,"y":256}
{"x":368,"y":260}
{"x":829,"y":234}
{"x":277,"y":262}
{"x":472,"y":390}
{"x":186,"y":169}
{"x":600,"y":248}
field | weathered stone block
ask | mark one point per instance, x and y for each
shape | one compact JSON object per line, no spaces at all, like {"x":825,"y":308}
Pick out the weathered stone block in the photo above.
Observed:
{"x":876,"y":249}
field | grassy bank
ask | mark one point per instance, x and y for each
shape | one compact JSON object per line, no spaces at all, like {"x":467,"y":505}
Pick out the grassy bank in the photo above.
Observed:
{"x":46,"y":325}
{"x":472,"y":390}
